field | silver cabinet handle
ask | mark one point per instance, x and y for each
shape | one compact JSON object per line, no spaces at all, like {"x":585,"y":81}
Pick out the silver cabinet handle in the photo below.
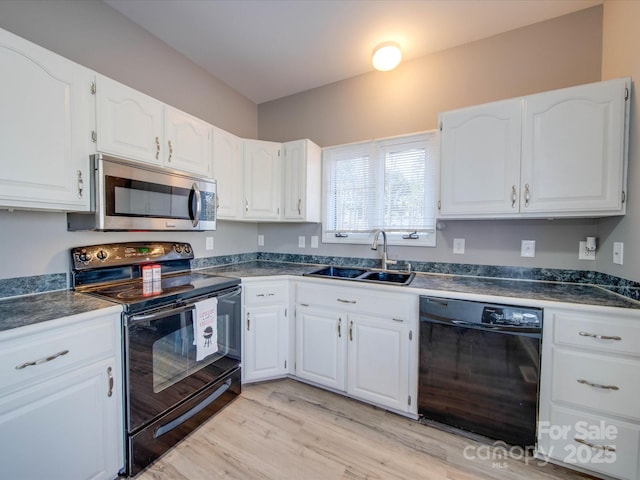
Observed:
{"x":342,"y":300}
{"x":80,"y":183}
{"x":514,"y":196}
{"x":597,"y":385}
{"x":248,"y":323}
{"x":600,"y":337}
{"x":527,"y":195}
{"x":351,"y":331}
{"x":42,"y":360}
{"x":299,"y":206}
{"x":157,"y":148}
{"x":170,"y":151}
{"x":246,"y":206}
{"x":339,"y":328}
{"x":110,"y":375}
{"x":606,"y":448}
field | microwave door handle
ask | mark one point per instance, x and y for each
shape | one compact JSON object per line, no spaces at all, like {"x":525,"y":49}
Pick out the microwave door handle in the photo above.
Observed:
{"x":198,"y":212}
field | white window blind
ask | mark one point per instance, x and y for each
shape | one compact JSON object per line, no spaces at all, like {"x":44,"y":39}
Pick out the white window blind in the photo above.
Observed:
{"x":389,"y":184}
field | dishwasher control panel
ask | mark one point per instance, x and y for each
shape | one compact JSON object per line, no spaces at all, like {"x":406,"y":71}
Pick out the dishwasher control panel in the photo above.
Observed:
{"x":508,"y":315}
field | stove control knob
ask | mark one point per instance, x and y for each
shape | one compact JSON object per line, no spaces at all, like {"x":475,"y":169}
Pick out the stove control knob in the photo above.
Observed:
{"x":102,"y":255}
{"x":178,"y":248}
{"x":187,"y":249}
{"x":83,"y":257}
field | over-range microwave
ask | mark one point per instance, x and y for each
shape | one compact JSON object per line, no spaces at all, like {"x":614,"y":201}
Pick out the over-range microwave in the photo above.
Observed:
{"x":129,"y":196}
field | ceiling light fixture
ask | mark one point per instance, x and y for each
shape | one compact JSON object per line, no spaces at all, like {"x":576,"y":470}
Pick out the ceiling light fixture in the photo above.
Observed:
{"x":386,"y":56}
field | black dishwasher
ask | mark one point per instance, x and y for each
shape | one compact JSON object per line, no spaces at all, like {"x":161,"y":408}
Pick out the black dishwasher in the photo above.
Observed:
{"x":479,"y":367}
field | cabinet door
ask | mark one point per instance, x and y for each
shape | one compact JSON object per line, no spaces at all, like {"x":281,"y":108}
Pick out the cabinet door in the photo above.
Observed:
{"x":227,"y":170}
{"x":188,"y":142}
{"x":573,"y":149}
{"x":321,"y":347}
{"x":379,"y":361}
{"x":45,"y":113}
{"x":301,"y":165}
{"x":67,"y":427}
{"x":129,"y":123}
{"x":266,"y":334}
{"x":262,"y":180}
{"x":480,"y":160}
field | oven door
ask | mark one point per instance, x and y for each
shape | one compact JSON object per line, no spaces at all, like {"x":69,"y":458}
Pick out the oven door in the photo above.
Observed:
{"x":161,"y":368}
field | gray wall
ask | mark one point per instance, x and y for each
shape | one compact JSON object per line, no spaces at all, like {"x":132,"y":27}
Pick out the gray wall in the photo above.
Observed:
{"x":557,"y":53}
{"x":93,"y":34}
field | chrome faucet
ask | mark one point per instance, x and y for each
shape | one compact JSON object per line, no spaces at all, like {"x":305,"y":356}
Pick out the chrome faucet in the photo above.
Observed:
{"x":374,"y":246}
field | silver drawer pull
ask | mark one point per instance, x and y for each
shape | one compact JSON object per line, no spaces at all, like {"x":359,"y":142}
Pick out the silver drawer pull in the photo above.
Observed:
{"x":265,"y":294}
{"x":342,"y":300}
{"x":397,"y":320}
{"x":600,"y":337}
{"x":606,"y":448}
{"x":42,"y":360}
{"x":597,"y":385}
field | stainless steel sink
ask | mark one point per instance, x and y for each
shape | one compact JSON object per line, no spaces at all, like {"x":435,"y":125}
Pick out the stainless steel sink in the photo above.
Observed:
{"x":337,"y":272}
{"x":362,"y":275}
{"x":397,"y":278}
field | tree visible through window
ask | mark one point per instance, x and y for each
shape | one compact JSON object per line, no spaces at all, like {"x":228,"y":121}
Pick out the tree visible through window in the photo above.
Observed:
{"x":389,"y":184}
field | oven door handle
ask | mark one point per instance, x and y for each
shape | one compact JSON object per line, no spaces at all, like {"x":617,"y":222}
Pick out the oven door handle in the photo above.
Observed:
{"x":232,"y":293}
{"x":163,"y":313}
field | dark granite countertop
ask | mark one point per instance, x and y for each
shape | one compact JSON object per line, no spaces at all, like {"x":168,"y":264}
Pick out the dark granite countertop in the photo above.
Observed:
{"x":525,"y":289}
{"x":31,"y":309}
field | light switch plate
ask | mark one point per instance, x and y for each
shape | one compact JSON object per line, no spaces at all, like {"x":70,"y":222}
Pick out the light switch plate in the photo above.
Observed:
{"x":261,"y":240}
{"x":458,"y":246}
{"x":618,"y":253}
{"x":314,"y":241}
{"x":301,"y":242}
{"x":528,"y":248}
{"x":209,"y":243}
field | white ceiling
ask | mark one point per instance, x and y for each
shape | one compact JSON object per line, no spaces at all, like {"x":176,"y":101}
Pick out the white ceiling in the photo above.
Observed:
{"x":267,"y":49}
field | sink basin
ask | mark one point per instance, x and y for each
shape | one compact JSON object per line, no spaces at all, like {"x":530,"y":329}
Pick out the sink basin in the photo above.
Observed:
{"x":397,"y":278}
{"x":359,"y":274}
{"x":338,"y":272}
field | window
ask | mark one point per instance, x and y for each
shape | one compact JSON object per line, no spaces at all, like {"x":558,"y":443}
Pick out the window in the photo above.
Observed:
{"x":389,"y":184}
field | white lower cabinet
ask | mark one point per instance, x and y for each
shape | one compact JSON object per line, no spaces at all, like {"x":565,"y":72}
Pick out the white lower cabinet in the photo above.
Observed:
{"x":589,"y":409}
{"x":61,"y":401}
{"x":266,"y":330}
{"x":360,"y":341}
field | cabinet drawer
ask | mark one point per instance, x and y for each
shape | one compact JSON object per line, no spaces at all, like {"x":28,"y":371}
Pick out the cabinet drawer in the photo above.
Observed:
{"x":360,"y":300}
{"x":597,"y":332}
{"x":263,"y":293}
{"x":38,"y":356}
{"x":598,"y":382}
{"x":615,"y":443}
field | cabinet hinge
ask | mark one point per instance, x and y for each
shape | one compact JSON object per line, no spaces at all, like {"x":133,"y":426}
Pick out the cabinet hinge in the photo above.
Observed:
{"x":93,"y":88}
{"x":409,"y":400}
{"x":624,"y":196}
{"x":94,"y":136}
{"x":626,"y":93}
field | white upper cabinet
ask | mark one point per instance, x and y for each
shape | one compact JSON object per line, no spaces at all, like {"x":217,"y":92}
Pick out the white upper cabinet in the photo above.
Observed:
{"x":559,"y":153}
{"x":262,"y":179}
{"x":227,"y":171}
{"x":137,"y":127}
{"x":129,"y":123}
{"x":188,"y":142}
{"x":480,"y":149}
{"x":45,"y":128}
{"x":301,"y":181}
{"x":573,"y":149}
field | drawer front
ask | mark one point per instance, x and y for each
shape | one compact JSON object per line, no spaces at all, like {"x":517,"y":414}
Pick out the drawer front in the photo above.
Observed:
{"x":38,"y":356}
{"x":610,"y":385}
{"x":363,"y":301}
{"x":597,"y":332}
{"x":263,"y":293}
{"x":611,"y":446}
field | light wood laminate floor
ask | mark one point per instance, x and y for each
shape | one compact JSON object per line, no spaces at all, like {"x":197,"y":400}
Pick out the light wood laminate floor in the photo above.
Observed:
{"x":285,"y":430}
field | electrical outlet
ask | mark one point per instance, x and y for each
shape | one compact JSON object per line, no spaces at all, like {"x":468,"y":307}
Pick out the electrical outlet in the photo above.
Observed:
{"x":618,"y":251}
{"x":261,"y":240}
{"x":314,"y":241}
{"x":528,"y":248}
{"x":209,"y":243}
{"x":458,"y":246}
{"x":301,"y":242}
{"x":584,"y":254}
